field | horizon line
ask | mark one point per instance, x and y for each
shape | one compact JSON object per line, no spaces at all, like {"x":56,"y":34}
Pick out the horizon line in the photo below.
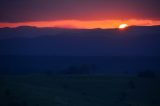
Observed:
{"x":77,"y":24}
{"x":79,"y":28}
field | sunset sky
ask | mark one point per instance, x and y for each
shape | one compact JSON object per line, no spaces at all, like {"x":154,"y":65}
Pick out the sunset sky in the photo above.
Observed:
{"x":79,"y":13}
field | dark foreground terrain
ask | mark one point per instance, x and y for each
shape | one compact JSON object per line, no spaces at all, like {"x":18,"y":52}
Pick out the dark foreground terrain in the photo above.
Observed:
{"x":79,"y":90}
{"x":80,"y":67}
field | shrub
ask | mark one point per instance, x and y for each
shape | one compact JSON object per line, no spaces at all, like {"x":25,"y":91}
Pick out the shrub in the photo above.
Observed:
{"x":123,"y":96}
{"x":131,"y":84}
{"x":81,"y":69}
{"x":13,"y":104}
{"x":147,"y":74}
{"x":7,"y":92}
{"x":24,"y":103}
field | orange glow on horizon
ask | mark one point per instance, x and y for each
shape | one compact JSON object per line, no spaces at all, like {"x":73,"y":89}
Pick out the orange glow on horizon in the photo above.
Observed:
{"x":104,"y":24}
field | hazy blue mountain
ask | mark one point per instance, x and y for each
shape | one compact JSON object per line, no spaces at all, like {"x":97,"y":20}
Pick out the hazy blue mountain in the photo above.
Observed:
{"x":30,"y":49}
{"x":135,"y":40}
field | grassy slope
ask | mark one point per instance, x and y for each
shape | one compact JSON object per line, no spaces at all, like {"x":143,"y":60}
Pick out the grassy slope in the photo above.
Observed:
{"x":43,"y":90}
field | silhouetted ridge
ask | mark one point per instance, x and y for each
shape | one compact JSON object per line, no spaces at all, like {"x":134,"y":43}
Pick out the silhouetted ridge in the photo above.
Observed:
{"x":134,"y":40}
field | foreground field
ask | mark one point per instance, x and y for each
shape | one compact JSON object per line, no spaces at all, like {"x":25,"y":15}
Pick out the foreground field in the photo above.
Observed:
{"x":79,"y":90}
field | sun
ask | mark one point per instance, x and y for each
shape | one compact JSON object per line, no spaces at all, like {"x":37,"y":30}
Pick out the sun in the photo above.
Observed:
{"x":122,"y":26}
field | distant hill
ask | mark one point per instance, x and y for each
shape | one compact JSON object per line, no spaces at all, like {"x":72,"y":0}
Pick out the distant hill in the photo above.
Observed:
{"x":132,"y":41}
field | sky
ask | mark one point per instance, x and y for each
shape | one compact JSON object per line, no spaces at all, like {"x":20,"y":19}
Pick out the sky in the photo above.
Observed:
{"x":79,"y":13}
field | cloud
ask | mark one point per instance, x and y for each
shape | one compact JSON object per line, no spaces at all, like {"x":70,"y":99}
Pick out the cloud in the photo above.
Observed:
{"x":83,"y":24}
{"x":49,"y":10}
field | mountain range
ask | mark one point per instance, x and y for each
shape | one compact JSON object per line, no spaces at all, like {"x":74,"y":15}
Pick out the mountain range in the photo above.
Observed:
{"x":132,"y":41}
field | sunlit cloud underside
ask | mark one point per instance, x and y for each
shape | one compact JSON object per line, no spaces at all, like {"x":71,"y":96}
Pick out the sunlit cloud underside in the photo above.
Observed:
{"x":83,"y":24}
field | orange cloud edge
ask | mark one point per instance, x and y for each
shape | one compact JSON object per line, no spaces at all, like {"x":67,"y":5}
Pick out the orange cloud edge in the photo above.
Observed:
{"x":77,"y":24}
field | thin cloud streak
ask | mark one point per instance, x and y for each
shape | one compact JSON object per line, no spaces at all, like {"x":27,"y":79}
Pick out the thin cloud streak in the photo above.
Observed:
{"x":83,"y":24}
